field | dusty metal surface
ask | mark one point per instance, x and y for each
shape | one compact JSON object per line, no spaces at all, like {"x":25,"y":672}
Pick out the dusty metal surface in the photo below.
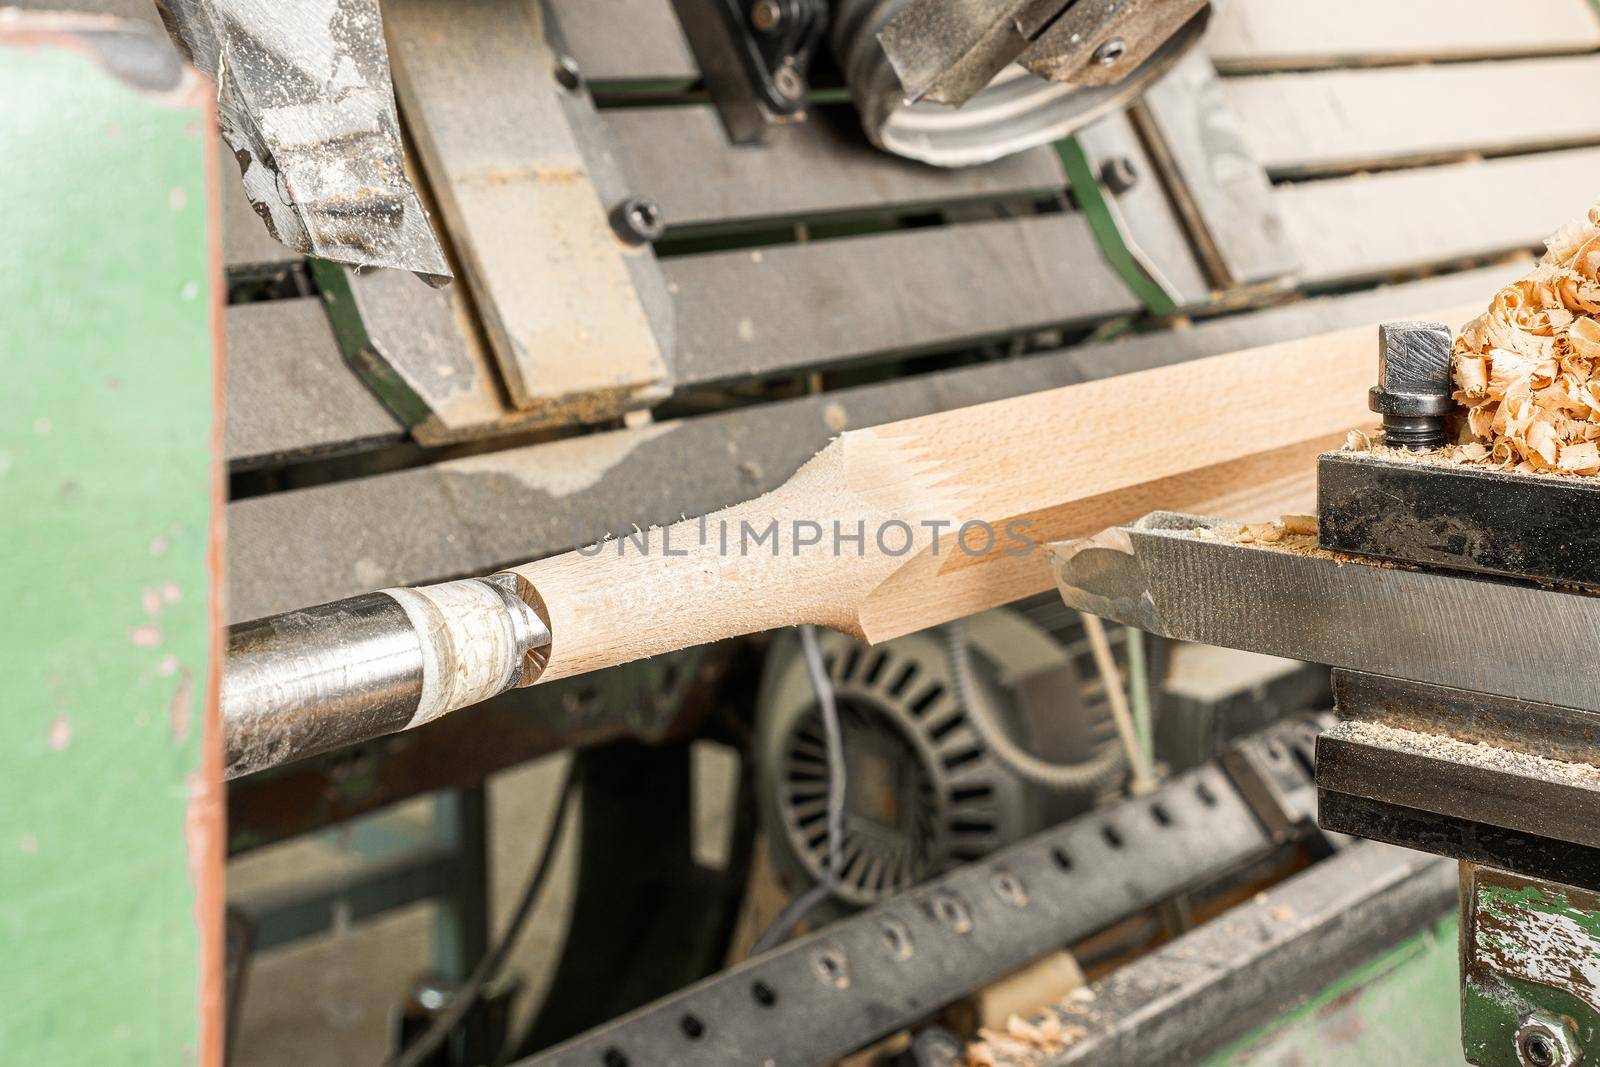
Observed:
{"x":289,"y":392}
{"x":1530,"y":969}
{"x":821,"y":996}
{"x":1489,"y":779}
{"x":1478,"y":718}
{"x":1161,"y":575}
{"x":305,"y":101}
{"x":1526,"y":526}
{"x":1235,"y":972}
{"x":1470,"y":781}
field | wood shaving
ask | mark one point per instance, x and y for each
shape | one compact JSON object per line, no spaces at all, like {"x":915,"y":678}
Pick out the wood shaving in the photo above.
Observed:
{"x":1024,"y":1041}
{"x":1528,"y":369}
{"x":1292,"y":533}
{"x":1468,"y":453}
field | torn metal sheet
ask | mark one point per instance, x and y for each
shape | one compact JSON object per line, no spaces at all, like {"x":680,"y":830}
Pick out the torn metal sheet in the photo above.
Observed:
{"x":305,"y":101}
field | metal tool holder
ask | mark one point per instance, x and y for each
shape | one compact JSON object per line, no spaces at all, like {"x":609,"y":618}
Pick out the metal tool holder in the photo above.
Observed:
{"x":1456,"y":606}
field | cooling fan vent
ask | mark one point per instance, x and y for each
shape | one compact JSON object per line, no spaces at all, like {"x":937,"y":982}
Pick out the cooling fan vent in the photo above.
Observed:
{"x":921,"y":790}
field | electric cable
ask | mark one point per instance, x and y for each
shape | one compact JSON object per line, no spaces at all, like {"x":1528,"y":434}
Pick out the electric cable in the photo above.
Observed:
{"x":1100,"y":770}
{"x":796,"y":910}
{"x":491,"y":963}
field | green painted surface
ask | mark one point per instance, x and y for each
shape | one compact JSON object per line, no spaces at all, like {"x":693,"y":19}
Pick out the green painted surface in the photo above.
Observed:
{"x":1399,"y":1008}
{"x":355,"y":344}
{"x":1536,"y":947}
{"x":105,"y":482}
{"x":1092,"y":202}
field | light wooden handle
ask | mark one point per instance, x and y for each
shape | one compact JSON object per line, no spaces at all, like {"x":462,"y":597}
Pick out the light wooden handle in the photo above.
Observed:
{"x":760,"y":565}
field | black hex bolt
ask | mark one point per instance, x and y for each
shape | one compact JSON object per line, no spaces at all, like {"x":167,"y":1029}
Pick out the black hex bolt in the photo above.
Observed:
{"x":1413,"y":390}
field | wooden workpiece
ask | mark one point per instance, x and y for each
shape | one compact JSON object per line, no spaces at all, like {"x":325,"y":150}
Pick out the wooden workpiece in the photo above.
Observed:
{"x":1235,"y":434}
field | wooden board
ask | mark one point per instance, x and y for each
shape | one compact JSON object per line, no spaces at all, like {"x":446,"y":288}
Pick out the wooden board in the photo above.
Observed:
{"x":1264,"y":34}
{"x":290,"y":392}
{"x":469,"y":516}
{"x":1370,"y":225}
{"x":819,"y":167}
{"x":549,"y":276}
{"x":790,"y":306}
{"x":1327,"y":121}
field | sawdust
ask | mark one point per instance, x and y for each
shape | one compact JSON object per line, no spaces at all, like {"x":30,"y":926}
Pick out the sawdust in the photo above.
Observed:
{"x":1476,"y":753}
{"x":1528,"y":369}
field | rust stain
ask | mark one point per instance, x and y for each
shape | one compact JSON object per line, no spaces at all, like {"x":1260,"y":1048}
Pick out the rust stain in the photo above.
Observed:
{"x":60,"y":733}
{"x":514,"y":175}
{"x":205,"y":828}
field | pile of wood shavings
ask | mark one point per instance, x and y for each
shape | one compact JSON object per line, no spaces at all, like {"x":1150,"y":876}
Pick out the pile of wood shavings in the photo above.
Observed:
{"x":1023,"y":1042}
{"x":1528,"y":369}
{"x":1293,"y":533}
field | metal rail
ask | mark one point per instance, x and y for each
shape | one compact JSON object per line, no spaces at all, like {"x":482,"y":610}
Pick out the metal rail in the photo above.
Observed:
{"x":822,"y":996}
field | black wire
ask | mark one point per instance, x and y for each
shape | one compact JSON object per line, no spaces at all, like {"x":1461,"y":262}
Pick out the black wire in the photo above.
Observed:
{"x":797,"y":909}
{"x":491,"y":963}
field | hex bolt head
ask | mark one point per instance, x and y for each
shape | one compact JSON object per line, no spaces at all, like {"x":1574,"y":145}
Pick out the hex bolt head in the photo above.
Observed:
{"x":1119,"y":175}
{"x":638,"y":220}
{"x":1413,"y":390}
{"x":1545,"y":1040}
{"x":1110,"y":50}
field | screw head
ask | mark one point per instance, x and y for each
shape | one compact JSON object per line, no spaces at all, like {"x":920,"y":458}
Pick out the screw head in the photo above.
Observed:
{"x":766,"y":15}
{"x":567,"y":73}
{"x":638,"y":220}
{"x":1545,"y":1040}
{"x":1110,"y":50}
{"x":1118,"y":175}
{"x":788,"y":82}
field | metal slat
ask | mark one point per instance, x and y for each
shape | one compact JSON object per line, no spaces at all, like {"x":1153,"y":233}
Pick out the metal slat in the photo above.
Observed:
{"x":1369,"y":225}
{"x":818,"y":167}
{"x":289,"y":550}
{"x":289,"y":391}
{"x":1146,"y":215}
{"x":1143,"y":351}
{"x":1329,"y":121}
{"x":1263,"y":34}
{"x":626,"y":40}
{"x":1218,"y":184}
{"x":811,"y":304}
{"x":246,"y":244}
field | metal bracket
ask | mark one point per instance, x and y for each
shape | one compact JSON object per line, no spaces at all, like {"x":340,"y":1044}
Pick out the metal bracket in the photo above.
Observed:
{"x":755,"y":57}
